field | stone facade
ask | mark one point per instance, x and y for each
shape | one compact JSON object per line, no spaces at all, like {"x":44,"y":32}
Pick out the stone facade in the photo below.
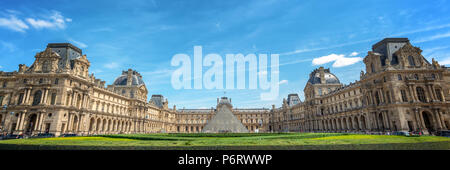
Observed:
{"x":399,"y":91}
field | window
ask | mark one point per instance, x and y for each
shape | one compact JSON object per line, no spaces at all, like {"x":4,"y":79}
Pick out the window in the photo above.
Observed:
{"x":56,"y":81}
{"x":41,"y":80}
{"x":438,"y":94}
{"x":53,"y":100}
{"x":25,"y":81}
{"x":37,"y":97}
{"x":411,"y":61}
{"x":20,"y":98}
{"x":1,"y":101}
{"x":421,"y":94}
{"x":403,"y":93}
{"x":394,"y":60}
{"x":320,"y":91}
{"x":5,"y":84}
{"x":372,"y":67}
{"x":416,"y":76}
{"x":399,"y":77}
{"x":46,"y":66}
{"x":377,"y":98}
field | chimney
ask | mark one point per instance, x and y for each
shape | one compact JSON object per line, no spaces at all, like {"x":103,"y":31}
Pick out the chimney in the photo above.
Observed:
{"x":322,"y":75}
{"x":174,"y":107}
{"x":129,"y":79}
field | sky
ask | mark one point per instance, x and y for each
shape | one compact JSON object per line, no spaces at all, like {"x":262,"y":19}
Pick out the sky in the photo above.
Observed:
{"x":145,"y":35}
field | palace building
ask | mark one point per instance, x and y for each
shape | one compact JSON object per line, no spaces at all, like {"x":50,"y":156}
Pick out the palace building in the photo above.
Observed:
{"x":399,"y":91}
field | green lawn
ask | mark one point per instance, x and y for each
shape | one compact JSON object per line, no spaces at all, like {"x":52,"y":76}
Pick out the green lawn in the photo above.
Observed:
{"x":232,"y":141}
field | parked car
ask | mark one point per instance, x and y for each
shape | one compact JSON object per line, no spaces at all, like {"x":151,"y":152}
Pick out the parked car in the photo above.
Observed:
{"x":44,"y":135}
{"x":12,"y":136}
{"x":68,"y":135}
{"x":401,"y":133}
{"x":444,"y":133}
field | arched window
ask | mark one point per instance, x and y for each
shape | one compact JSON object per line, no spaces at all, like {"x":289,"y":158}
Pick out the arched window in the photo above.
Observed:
{"x":403,"y":93}
{"x":421,"y":94}
{"x":37,"y":97}
{"x":399,"y":77}
{"x":438,"y":94}
{"x":46,"y":66}
{"x":411,"y":61}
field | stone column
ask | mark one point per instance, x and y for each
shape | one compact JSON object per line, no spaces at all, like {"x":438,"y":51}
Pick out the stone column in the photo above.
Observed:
{"x":412,"y":93}
{"x":437,"y":118}
{"x":36,"y":124}
{"x":25,"y":96}
{"x":443,"y":96}
{"x":69,"y":122}
{"x":442,"y":120}
{"x":415,"y":93}
{"x":386,"y":121}
{"x":41,"y":120}
{"x":432,"y":93}
{"x":22,"y":122}
{"x":381,"y":95}
{"x":19,"y":118}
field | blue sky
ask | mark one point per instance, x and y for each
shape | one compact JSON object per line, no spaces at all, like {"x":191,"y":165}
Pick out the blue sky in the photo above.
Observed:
{"x":144,"y":35}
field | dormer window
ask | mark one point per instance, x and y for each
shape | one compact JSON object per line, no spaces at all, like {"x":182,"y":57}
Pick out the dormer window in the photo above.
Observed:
{"x":411,"y":61}
{"x":394,"y":60}
{"x":372,"y":67}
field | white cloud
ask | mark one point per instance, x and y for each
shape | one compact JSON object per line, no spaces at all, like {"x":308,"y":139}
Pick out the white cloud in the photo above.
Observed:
{"x":111,"y":65}
{"x":354,"y":54}
{"x":283,"y":82}
{"x":339,"y":60}
{"x":13,"y":23}
{"x":346,"y":61}
{"x":434,"y":37}
{"x":327,"y":59}
{"x":78,"y":44}
{"x":55,"y":21}
{"x":445,"y":61}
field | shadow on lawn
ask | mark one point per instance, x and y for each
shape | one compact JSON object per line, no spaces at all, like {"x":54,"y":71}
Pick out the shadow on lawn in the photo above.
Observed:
{"x":388,"y":146}
{"x":145,"y":138}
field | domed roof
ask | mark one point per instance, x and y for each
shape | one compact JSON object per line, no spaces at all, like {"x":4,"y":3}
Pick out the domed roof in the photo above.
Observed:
{"x":330,"y":78}
{"x":136,"y":78}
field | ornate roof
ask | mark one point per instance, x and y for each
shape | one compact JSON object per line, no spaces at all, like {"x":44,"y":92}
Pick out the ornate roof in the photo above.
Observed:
{"x":136,"y":78}
{"x":330,"y":78}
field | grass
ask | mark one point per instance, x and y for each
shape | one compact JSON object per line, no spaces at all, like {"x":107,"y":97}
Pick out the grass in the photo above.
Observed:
{"x":232,"y":141}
